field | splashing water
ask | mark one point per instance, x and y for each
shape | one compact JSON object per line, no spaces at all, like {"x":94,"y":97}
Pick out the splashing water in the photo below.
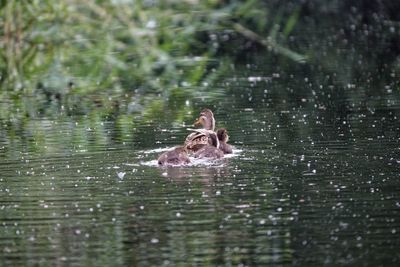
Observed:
{"x":194,"y":162}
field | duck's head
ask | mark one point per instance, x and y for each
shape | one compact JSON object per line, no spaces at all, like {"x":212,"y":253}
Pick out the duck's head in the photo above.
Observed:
{"x":223,"y":135}
{"x":206,"y":120}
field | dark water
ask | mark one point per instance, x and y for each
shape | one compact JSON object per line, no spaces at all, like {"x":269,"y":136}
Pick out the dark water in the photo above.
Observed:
{"x":305,"y":186}
{"x":314,"y":179}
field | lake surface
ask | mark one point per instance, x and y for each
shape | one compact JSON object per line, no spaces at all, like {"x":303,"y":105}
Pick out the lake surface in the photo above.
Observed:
{"x":314,"y":180}
{"x":305,"y":186}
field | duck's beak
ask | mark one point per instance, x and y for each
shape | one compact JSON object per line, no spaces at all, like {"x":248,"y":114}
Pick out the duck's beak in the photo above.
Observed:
{"x":198,"y":122}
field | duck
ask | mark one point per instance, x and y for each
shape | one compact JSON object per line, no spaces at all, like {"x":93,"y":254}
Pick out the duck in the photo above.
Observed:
{"x":210,"y":151}
{"x":206,"y":119}
{"x":202,"y":137}
{"x":223,"y":138}
{"x":176,"y":156}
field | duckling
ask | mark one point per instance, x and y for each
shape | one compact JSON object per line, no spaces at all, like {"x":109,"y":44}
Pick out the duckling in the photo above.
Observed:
{"x":210,"y":151}
{"x":223,"y":138}
{"x":201,"y":137}
{"x":177,"y":156}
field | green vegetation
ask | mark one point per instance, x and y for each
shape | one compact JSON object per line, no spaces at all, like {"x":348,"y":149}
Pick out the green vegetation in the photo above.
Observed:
{"x":125,"y":56}
{"x":87,"y":53}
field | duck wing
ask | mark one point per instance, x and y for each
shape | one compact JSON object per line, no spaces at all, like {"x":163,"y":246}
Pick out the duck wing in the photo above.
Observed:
{"x":198,"y":138}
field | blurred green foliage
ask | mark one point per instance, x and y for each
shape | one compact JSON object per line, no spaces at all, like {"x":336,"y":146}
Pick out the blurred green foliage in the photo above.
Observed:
{"x":73,"y":56}
{"x":53,"y":49}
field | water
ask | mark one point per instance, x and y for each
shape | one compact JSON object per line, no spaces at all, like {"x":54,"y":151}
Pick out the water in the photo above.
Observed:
{"x":314,"y":179}
{"x":302,"y":188}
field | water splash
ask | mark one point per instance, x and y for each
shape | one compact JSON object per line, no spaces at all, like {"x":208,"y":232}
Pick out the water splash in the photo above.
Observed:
{"x":194,"y":162}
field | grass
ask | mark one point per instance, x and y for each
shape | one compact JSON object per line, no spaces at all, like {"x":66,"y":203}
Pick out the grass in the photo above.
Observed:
{"x":102,"y":50}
